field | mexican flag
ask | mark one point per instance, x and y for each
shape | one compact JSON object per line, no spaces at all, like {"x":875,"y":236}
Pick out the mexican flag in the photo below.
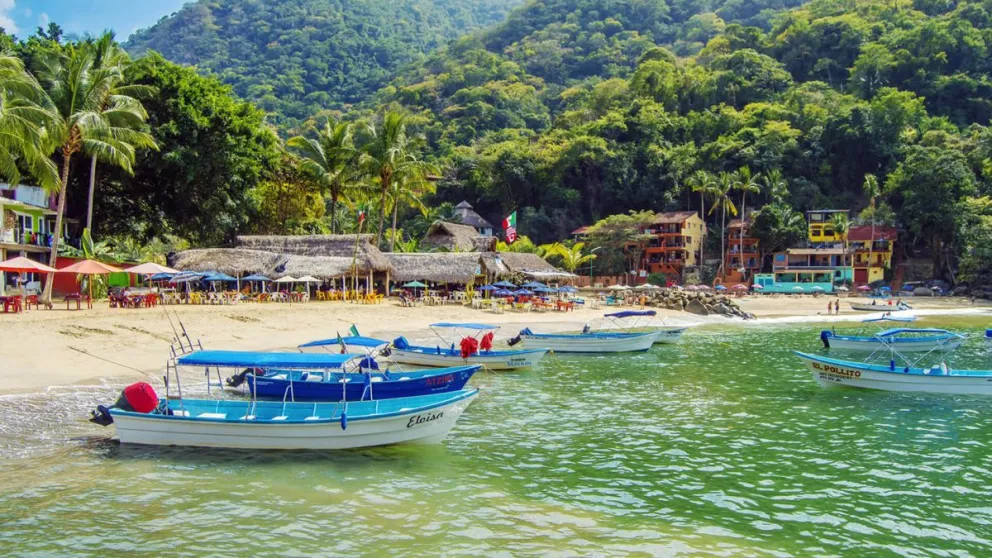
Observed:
{"x":361,"y":215}
{"x":510,"y":226}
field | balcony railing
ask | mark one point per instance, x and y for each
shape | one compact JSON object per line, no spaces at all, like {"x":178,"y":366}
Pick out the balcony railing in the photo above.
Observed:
{"x":20,"y":236}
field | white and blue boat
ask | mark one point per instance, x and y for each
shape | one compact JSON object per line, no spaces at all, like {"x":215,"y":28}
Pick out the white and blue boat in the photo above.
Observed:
{"x":641,"y":321}
{"x":589,"y":341}
{"x":449,"y":354}
{"x":324,"y":377}
{"x":832,"y":372}
{"x":902,"y":339}
{"x":286,"y":425}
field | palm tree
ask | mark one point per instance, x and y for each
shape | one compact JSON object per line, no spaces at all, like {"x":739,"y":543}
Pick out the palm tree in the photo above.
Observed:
{"x":572,"y":257}
{"x":745,"y":182}
{"x":702,"y":182}
{"x":840,"y":225}
{"x":408,"y":188}
{"x":386,"y":154}
{"x":872,"y":190}
{"x":331,"y":157}
{"x":776,"y":186}
{"x":723,"y":202}
{"x":76,"y":93}
{"x":108,"y":55}
{"x":22,"y":121}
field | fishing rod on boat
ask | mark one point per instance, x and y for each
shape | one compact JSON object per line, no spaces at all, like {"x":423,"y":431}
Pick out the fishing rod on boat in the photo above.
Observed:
{"x":174,"y":332}
{"x":186,"y":335}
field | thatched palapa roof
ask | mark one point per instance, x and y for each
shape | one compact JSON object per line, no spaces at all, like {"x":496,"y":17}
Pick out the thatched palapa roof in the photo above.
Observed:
{"x":337,"y":245}
{"x":519,"y":263}
{"x":438,"y":267}
{"x":232,"y":261}
{"x":321,"y":267}
{"x":468,"y":216}
{"x":454,"y":236}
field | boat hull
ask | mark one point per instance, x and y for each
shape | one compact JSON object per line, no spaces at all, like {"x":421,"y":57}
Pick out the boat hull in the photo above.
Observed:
{"x":903,"y":346}
{"x":668,"y":335}
{"x":838,"y":373}
{"x":877,"y":307}
{"x":591,"y":343}
{"x":418,"y":426}
{"x":399,"y":385}
{"x":496,"y":361}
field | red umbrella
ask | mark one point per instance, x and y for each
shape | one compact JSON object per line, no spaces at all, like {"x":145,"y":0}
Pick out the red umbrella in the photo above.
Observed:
{"x":21,"y":264}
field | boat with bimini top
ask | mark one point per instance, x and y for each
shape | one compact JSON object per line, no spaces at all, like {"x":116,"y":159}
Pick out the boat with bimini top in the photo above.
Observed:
{"x":474,"y":348}
{"x":832,"y":372}
{"x":588,"y":341}
{"x":903,"y":339}
{"x":641,"y":321}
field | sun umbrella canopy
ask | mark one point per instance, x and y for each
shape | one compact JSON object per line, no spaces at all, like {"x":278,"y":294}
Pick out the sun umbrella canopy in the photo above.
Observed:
{"x":759,"y":287}
{"x":503,"y":292}
{"x":843,"y":289}
{"x":487,"y":288}
{"x":150,"y":268}
{"x":533,"y":285}
{"x":545,"y":290}
{"x":617,"y":288}
{"x":524,"y":292}
{"x":864,"y":288}
{"x":22,"y":264}
{"x":885,"y":289}
{"x":219,"y":277}
{"x":415,"y":285}
{"x":740,"y":287}
{"x":505,"y":285}
{"x":798,"y":288}
{"x":721,"y":288}
{"x":90,"y":267}
{"x":286,"y":279}
{"x":817,"y":288}
{"x":568,"y":289}
{"x":261,"y":278}
{"x":161,"y":276}
{"x":186,"y":277}
{"x":309,"y":279}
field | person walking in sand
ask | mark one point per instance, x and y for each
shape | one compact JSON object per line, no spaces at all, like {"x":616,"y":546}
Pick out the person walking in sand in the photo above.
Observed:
{"x":830,"y":307}
{"x":837,"y":307}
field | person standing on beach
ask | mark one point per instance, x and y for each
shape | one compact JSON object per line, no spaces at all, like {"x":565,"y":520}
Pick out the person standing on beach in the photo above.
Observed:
{"x":830,"y":307}
{"x":837,"y":307}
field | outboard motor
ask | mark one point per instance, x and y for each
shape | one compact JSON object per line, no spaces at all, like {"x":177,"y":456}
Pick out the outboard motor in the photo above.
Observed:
{"x":825,"y":337}
{"x":586,"y":328}
{"x":514,"y":340}
{"x":368,"y":363}
{"x":136,"y":398}
{"x":239,"y":378}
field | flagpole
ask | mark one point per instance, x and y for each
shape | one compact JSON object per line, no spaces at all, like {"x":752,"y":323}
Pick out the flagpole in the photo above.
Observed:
{"x":354,"y":257}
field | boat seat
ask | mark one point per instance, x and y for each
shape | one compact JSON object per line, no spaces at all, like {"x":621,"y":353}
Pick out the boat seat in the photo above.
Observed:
{"x":180,"y":413}
{"x":315,"y":378}
{"x":212,"y":415}
{"x":247,"y":417}
{"x":283,"y":417}
{"x":312,"y":418}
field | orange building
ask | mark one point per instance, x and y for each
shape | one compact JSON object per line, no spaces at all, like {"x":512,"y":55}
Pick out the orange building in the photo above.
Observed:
{"x":743,"y":259}
{"x":674,"y":244}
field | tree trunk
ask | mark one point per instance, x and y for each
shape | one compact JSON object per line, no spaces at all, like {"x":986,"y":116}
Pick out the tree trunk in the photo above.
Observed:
{"x":392,"y":237}
{"x":740,"y":241}
{"x":89,"y":203}
{"x":382,"y":215}
{"x":702,"y":244}
{"x":46,"y":296}
{"x":334,"y":211}
{"x":723,"y":240}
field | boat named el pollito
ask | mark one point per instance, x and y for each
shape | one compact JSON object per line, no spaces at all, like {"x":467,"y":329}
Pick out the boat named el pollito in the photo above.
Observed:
{"x":902,"y":340}
{"x":475,"y":348}
{"x":833,"y":372}
{"x":588,"y":341}
{"x":247,"y":424}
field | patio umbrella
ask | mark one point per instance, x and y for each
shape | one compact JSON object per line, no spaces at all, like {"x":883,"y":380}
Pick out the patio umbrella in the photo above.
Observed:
{"x":259,"y":278}
{"x":817,"y":289}
{"x":617,"y":288}
{"x":843,"y":289}
{"x":286,"y":279}
{"x":503,"y":292}
{"x":545,"y":290}
{"x":568,"y":289}
{"x":161,"y":276}
{"x":219,"y":277}
{"x":149,"y":268}
{"x":186,"y":277}
{"x":309,"y":279}
{"x":90,"y":267}
{"x":886,"y":289}
{"x":798,"y":288}
{"x":740,"y":287}
{"x":524,"y":292}
{"x":415,"y":285}
{"x":758,"y":287}
{"x":21,"y":264}
{"x":721,"y":288}
{"x":864,"y":288}
{"x":505,"y":285}
{"x":533,"y":285}
{"x":487,"y":288}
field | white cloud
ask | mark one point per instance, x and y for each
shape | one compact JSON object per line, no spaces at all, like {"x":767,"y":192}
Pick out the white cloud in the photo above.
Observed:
{"x":6,"y":19}
{"x":43,"y":19}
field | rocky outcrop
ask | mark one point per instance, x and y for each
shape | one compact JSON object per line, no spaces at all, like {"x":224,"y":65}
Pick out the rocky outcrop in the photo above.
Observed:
{"x":700,"y":303}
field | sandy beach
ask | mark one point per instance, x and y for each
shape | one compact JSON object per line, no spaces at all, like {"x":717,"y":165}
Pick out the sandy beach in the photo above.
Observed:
{"x":42,"y":349}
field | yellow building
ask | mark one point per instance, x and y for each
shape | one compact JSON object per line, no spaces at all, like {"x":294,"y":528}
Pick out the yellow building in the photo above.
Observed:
{"x":872,"y":254}
{"x":820,"y":229}
{"x":676,"y":239}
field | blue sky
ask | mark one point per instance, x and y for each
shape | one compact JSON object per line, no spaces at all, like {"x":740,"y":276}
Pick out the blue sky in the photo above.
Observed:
{"x":21,"y":17}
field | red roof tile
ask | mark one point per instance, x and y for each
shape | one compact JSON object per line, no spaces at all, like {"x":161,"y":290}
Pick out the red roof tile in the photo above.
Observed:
{"x":863,"y":232}
{"x":673,"y":217}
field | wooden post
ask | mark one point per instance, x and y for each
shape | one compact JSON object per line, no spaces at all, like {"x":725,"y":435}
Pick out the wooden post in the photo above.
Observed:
{"x":387,"y":283}
{"x":368,"y":286}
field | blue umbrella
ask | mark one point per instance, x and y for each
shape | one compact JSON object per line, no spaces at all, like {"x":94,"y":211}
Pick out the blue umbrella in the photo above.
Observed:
{"x":568,"y":289}
{"x":219,"y":277}
{"x":186,"y":277}
{"x":885,"y":289}
{"x":505,"y":284}
{"x":533,"y":285}
{"x":545,"y":290}
{"x":260,"y":278}
{"x":503,"y":292}
{"x":487,"y":288}
{"x":525,"y":292}
{"x":162,"y":276}
{"x":721,"y":288}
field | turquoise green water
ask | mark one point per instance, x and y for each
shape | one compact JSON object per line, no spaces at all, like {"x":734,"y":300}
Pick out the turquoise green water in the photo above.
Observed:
{"x":723,"y":445}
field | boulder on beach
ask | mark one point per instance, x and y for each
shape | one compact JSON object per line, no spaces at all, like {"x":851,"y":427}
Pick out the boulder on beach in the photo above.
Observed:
{"x":697,"y":307}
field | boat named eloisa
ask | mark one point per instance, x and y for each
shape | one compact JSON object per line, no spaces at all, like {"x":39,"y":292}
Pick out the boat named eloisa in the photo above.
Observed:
{"x":902,"y":340}
{"x":474,"y":348}
{"x":588,"y":341}
{"x":141,"y":418}
{"x":833,"y":372}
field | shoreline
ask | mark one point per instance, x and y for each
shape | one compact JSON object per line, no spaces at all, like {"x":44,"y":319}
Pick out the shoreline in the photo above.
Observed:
{"x":43,"y":350}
